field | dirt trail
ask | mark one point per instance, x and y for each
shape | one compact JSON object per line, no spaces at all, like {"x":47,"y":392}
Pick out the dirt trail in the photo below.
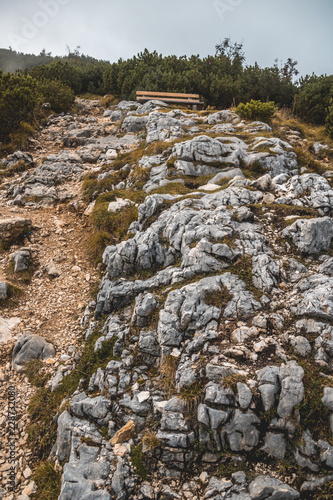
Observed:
{"x":51,"y":307}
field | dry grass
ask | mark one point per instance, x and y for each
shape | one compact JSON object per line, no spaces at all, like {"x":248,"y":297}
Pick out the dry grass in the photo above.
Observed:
{"x":48,"y":482}
{"x":167,"y":371}
{"x":150,"y":440}
{"x":108,"y":228}
{"x":314,"y":133}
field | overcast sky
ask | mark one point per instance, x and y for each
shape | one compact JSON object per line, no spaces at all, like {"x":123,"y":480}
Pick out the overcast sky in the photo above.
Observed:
{"x":110,"y":29}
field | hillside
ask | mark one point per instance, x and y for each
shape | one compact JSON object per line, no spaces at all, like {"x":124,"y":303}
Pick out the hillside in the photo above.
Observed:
{"x":169,"y":274}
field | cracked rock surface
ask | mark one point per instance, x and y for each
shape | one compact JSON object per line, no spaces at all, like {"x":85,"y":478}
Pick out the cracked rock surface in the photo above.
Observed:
{"x":202,"y":366}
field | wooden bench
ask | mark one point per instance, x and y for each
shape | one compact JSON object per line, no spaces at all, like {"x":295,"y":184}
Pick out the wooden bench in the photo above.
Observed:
{"x":193,"y":100}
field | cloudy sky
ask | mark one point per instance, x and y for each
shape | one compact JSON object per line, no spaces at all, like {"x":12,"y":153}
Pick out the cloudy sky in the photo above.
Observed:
{"x":113,"y":29}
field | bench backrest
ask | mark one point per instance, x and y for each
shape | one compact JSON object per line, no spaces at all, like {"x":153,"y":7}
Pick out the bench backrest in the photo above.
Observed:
{"x":147,"y":94}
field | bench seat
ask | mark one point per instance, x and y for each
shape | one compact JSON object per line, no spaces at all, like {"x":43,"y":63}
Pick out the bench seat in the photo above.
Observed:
{"x":168,"y":97}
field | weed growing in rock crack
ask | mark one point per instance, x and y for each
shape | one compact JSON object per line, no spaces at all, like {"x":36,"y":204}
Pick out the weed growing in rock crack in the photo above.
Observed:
{"x":92,"y":187}
{"x":150,"y":440}
{"x":135,"y":196}
{"x":96,"y":245}
{"x":232,"y":380}
{"x":193,"y":396}
{"x":104,"y":430}
{"x":243,"y":269}
{"x":171,"y":188}
{"x":167,"y":371}
{"x":24,"y":276}
{"x":229,"y":465}
{"x":137,"y":459}
{"x":138,"y":177}
{"x":109,"y":228}
{"x":305,"y":159}
{"x":48,"y":482}
{"x":288,"y":468}
{"x":313,"y":414}
{"x":218,"y":298}
{"x":45,"y":404}
{"x":325,"y":492}
{"x":117,"y":223}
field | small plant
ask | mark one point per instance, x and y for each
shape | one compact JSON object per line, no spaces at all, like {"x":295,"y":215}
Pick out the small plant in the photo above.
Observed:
{"x":193,"y":396}
{"x":138,"y":462}
{"x":168,"y":370}
{"x":108,"y":228}
{"x":108,"y":100}
{"x":48,"y":482}
{"x":172,"y":188}
{"x":218,"y":298}
{"x":314,"y":415}
{"x":36,"y":377}
{"x":256,"y":110}
{"x":243,"y":269}
{"x":150,"y":440}
{"x":232,"y":380}
{"x":325,"y":492}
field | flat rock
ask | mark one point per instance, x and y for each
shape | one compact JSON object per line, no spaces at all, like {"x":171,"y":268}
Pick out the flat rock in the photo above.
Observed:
{"x":30,"y":347}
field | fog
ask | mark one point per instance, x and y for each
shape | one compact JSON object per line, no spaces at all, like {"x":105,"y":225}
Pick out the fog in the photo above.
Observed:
{"x":113,"y":29}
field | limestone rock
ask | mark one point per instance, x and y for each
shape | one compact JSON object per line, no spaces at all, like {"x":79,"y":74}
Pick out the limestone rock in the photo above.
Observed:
{"x":30,"y":347}
{"x":311,"y":235}
{"x":21,"y":260}
{"x":124,"y":434}
{"x":119,"y":204}
{"x":269,"y":487}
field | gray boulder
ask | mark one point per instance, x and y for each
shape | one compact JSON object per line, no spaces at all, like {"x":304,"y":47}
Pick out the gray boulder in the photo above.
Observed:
{"x":94,"y":408}
{"x":145,"y":304}
{"x":30,"y":347}
{"x":275,"y":445}
{"x":3,"y":290}
{"x":310,"y":190}
{"x":314,"y":297}
{"x":265,"y":487}
{"x":269,"y":385}
{"x":20,"y":259}
{"x":328,"y":398}
{"x":150,"y":106}
{"x":292,"y":388}
{"x":165,"y":126}
{"x":266,"y":272}
{"x":311,"y":235}
{"x":85,"y":471}
{"x":133,"y":123}
{"x":116,"y":116}
{"x":241,"y":432}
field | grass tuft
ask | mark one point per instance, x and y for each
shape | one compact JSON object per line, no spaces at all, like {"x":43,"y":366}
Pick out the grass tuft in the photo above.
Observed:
{"x":48,"y":482}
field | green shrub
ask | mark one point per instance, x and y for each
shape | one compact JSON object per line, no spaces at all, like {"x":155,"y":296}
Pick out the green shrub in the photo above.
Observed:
{"x":256,"y":110}
{"x":329,"y":120}
{"x":18,"y":99}
{"x":313,"y":99}
{"x":60,"y":96}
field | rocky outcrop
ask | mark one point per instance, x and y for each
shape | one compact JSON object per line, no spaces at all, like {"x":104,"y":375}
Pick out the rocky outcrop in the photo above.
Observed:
{"x":209,"y":347}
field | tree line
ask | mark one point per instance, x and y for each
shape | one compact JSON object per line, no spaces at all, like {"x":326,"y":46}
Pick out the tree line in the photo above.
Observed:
{"x":222,"y":80}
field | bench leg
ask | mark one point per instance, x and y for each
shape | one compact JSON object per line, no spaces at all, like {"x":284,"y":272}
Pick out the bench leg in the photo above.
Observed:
{"x":194,"y":107}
